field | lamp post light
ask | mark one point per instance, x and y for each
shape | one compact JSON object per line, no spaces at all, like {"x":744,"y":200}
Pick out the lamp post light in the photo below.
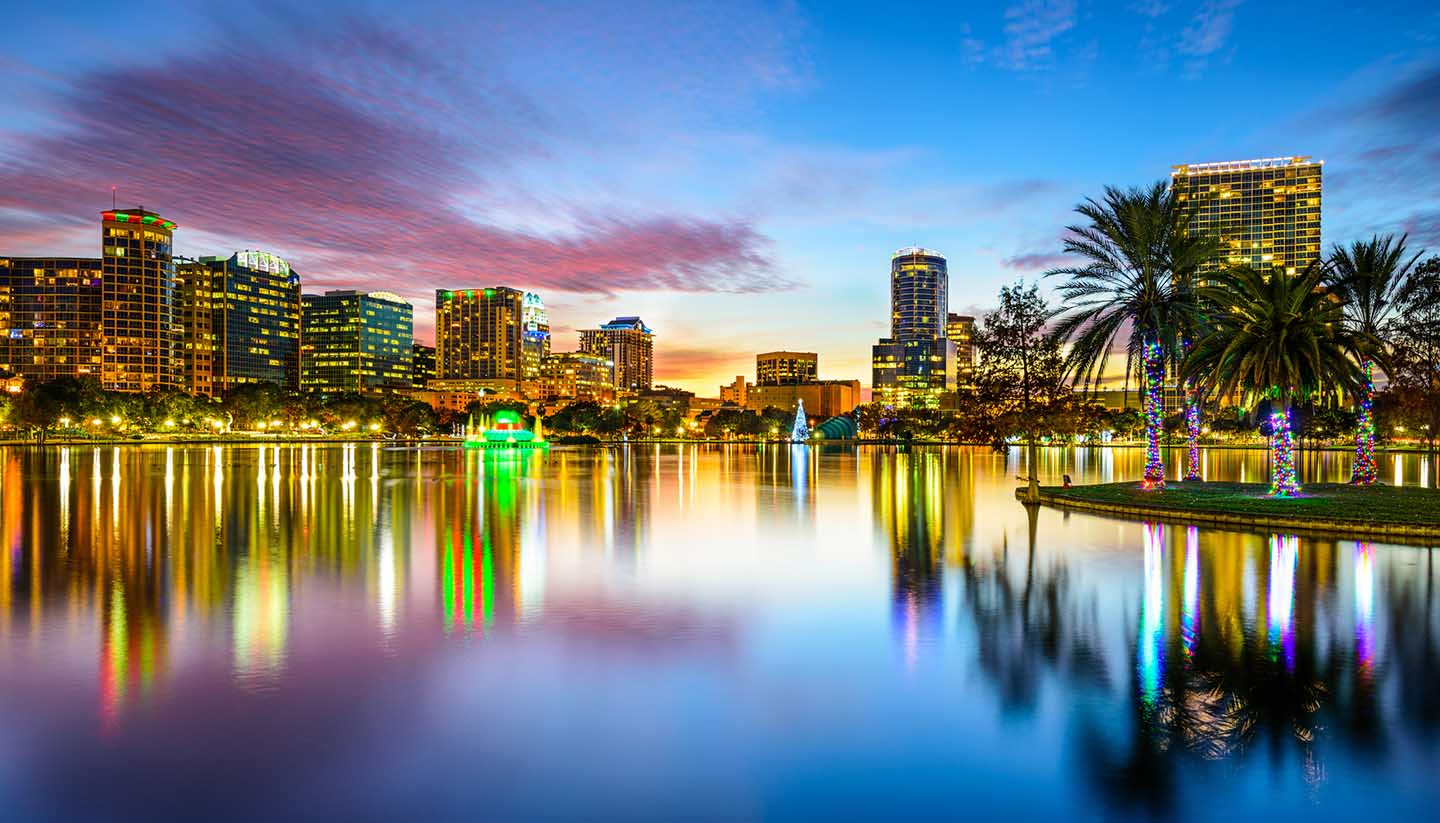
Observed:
{"x":64,"y":422}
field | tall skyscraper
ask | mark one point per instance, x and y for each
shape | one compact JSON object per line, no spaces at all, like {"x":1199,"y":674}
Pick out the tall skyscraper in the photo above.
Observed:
{"x":50,"y":317}
{"x":630,"y":345}
{"x":786,"y":368}
{"x":138,"y":302}
{"x":1266,"y":213}
{"x":353,"y":341}
{"x":241,"y":321}
{"x":960,"y":328}
{"x":913,"y":366}
{"x":495,"y":333}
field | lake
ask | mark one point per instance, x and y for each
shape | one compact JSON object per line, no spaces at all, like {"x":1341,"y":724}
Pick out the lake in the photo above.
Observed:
{"x":669,"y":632}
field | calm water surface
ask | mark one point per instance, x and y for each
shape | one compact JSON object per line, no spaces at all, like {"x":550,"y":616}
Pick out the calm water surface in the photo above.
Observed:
{"x":687,"y":632}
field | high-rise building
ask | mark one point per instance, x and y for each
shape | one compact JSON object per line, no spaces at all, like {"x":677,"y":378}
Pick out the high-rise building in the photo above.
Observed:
{"x":240,"y":317}
{"x":960,"y":328}
{"x":785,"y":368}
{"x":480,"y":334}
{"x":1266,"y":213}
{"x":913,"y":366}
{"x":534,"y":336}
{"x":138,"y":302}
{"x":50,"y":317}
{"x":354,"y":341}
{"x":630,"y":345}
{"x":422,"y":364}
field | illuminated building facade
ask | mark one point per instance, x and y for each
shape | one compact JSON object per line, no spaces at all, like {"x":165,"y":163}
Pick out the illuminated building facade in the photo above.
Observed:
{"x":960,"y":329}
{"x":577,"y":375}
{"x":783,"y":368}
{"x":241,"y":321}
{"x":480,"y":334}
{"x":354,"y":341}
{"x":1266,"y":213}
{"x":534,"y":336}
{"x":913,"y":366}
{"x":50,"y":317}
{"x":138,"y":302}
{"x":736,"y":392}
{"x":422,"y":364}
{"x":630,"y":345}
{"x":822,"y":398}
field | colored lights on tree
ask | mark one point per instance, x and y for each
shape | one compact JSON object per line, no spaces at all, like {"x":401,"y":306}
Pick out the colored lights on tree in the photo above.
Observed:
{"x":1283,"y":480}
{"x":1154,"y":359}
{"x":1192,"y":430}
{"x":1365,"y":472}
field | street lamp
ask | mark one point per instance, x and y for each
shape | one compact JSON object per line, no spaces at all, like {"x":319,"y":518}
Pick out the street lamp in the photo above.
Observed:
{"x":374,"y":427}
{"x":97,"y":421}
{"x":114,"y":419}
{"x":170,"y":424}
{"x":64,"y":422}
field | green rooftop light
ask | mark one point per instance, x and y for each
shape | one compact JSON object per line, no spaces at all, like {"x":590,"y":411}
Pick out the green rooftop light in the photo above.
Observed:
{"x":489,"y":292}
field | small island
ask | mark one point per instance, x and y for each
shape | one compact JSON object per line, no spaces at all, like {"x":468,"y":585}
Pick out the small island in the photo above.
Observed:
{"x":1361,"y":512}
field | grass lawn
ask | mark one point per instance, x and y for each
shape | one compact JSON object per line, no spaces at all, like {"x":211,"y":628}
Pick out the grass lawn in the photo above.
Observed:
{"x":1407,"y":505}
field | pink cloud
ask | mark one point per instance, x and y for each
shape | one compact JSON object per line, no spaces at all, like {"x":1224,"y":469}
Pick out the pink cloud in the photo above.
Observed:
{"x":368,"y":167}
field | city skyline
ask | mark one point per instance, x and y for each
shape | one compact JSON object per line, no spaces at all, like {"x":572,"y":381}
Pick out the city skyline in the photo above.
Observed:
{"x":756,"y":161}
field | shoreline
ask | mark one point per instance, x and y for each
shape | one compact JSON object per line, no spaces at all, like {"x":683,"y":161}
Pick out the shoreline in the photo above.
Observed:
{"x":1335,"y":508}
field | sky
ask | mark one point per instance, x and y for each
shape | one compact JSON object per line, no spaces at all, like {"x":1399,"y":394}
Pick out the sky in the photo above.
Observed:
{"x":737,"y":174}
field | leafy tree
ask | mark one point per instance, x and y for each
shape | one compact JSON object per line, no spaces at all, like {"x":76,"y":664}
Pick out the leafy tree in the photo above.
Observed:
{"x":1274,"y":336}
{"x":1135,"y":286}
{"x":1415,"y":338}
{"x":1020,"y":377}
{"x":1370,"y":278}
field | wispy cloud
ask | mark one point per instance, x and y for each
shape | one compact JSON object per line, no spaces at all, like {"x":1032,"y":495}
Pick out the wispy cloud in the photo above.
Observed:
{"x":1035,"y":261}
{"x":1031,"y":28}
{"x":1207,"y":33}
{"x":367,"y":159}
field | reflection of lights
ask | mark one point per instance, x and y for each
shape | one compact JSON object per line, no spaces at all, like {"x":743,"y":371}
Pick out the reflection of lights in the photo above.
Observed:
{"x":1365,"y":607}
{"x":1150,"y":648}
{"x":1284,"y":554}
{"x":1190,"y":614}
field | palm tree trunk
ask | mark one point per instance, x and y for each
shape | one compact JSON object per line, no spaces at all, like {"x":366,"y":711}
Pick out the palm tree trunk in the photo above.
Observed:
{"x":1192,"y":427}
{"x":1284,"y":482}
{"x":1365,"y":472}
{"x":1154,"y":404}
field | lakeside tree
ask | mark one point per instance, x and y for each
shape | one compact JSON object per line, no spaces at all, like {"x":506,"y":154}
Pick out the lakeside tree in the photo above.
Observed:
{"x":1279,"y":337}
{"x":1020,"y":376}
{"x":1415,"y":340}
{"x":1135,"y":286}
{"x":1369,"y":277}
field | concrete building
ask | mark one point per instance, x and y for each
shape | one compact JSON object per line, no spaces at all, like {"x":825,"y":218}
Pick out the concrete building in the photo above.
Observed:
{"x":138,"y":302}
{"x":823,"y":398}
{"x":577,"y":376}
{"x":960,"y":329}
{"x":783,"y":368}
{"x":479,"y":334}
{"x":736,"y":392}
{"x":630,"y":345}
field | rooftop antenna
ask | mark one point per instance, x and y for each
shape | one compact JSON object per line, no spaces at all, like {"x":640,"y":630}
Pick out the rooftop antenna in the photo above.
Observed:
{"x":112,"y":198}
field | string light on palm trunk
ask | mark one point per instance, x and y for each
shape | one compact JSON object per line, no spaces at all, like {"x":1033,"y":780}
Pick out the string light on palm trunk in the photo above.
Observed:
{"x":1365,"y":472}
{"x":1192,"y":426}
{"x":1283,"y":480}
{"x":1154,"y":359}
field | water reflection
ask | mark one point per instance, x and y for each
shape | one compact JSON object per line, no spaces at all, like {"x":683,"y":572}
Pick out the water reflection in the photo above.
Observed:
{"x":791,"y":611}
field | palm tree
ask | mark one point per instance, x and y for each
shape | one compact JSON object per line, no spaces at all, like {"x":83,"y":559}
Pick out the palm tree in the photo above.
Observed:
{"x":1135,"y":286}
{"x":1369,"y":278}
{"x":1278,"y":336}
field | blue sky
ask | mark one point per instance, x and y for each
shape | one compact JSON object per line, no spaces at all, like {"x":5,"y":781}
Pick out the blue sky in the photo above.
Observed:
{"x":735,"y":173}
